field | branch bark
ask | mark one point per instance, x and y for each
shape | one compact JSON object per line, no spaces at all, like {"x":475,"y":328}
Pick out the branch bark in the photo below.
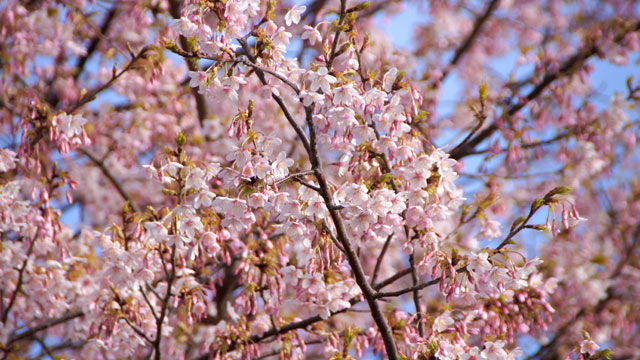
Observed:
{"x":115,"y":182}
{"x":568,"y":67}
{"x":310,"y":146}
{"x":47,"y":324}
{"x":93,"y":45}
{"x":468,"y":42}
{"x":14,"y":296}
{"x":192,"y":64}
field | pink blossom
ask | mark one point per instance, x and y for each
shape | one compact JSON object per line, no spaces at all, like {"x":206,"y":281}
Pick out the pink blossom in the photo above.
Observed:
{"x":70,"y":125}
{"x":321,"y":80}
{"x":7,"y":160}
{"x":312,"y":35}
{"x":293,"y":15}
{"x":588,"y":347}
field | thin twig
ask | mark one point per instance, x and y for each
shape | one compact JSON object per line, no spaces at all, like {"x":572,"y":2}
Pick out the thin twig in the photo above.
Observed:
{"x":414,"y":274}
{"x":105,"y":170}
{"x":14,"y":296}
{"x":507,"y":240}
{"x":376,"y":268}
{"x":192,"y":64}
{"x":48,"y":324}
{"x":146,"y":299}
{"x":310,"y":186}
{"x":334,"y":47}
{"x":285,"y":110}
{"x":416,"y":294}
{"x":137,"y":330}
{"x":335,"y":241}
{"x":543,"y":349}
{"x":274,"y":331}
{"x":93,"y":45}
{"x":165,"y":303}
{"x":468,"y":42}
{"x":93,"y":93}
{"x":391,"y":279}
{"x":292,"y":176}
{"x":421,"y":286}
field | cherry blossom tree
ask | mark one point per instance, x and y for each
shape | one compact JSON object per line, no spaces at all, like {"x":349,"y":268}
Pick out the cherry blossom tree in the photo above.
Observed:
{"x":247,"y":179}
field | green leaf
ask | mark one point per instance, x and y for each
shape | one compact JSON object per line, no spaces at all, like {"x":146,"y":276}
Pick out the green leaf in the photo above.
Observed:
{"x":517,"y":222}
{"x":604,"y":354}
{"x":181,"y":139}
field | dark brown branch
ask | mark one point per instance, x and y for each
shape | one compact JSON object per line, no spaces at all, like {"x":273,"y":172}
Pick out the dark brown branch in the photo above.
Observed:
{"x":390,"y":280}
{"x":44,"y":346}
{"x":14,"y":296}
{"x":93,"y":45}
{"x":93,"y":93}
{"x":137,"y":330}
{"x":507,"y":240}
{"x":376,"y":268}
{"x":293,"y":176}
{"x":146,"y":299}
{"x":48,"y":324}
{"x":311,"y":320}
{"x":61,"y":346}
{"x":414,"y":275}
{"x":100,"y":164}
{"x":416,"y":294}
{"x":568,"y":67}
{"x":90,"y":96}
{"x":468,"y":42}
{"x":272,"y":73}
{"x":306,"y":184}
{"x":529,"y":145}
{"x":278,"y":99}
{"x":410,"y":289}
{"x":192,"y":64}
{"x":336,"y":38}
{"x":274,"y":331}
{"x":350,"y":253}
{"x":165,"y":303}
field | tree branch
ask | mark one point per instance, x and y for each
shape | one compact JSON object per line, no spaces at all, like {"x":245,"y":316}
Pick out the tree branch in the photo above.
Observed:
{"x":416,"y":294}
{"x":137,"y":330}
{"x":376,"y":268}
{"x":100,"y":164}
{"x":274,"y":331}
{"x":390,"y":280}
{"x":514,"y":231}
{"x":93,"y":93}
{"x":278,"y":99}
{"x":313,"y":319}
{"x":468,"y":42}
{"x":93,"y":45}
{"x":165,"y":303}
{"x":334,"y":46}
{"x":192,"y":64}
{"x":598,"y":307}
{"x":352,"y":258}
{"x":568,"y":67}
{"x":14,"y":296}
{"x":51,"y":323}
